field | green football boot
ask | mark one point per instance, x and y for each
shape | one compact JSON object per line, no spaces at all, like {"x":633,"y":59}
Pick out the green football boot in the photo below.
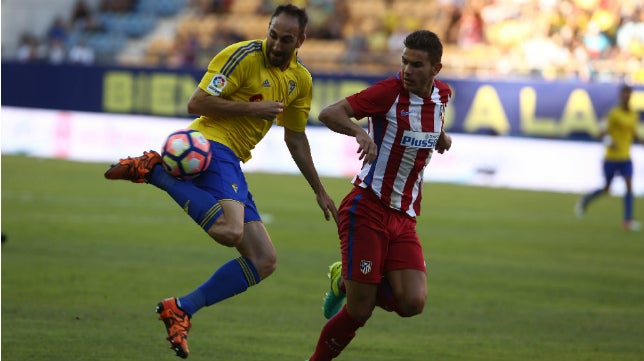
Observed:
{"x":334,"y":299}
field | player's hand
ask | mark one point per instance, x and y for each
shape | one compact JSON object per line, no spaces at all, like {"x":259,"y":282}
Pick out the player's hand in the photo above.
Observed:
{"x":444,"y":143}
{"x":267,"y":110}
{"x":366,"y":147}
{"x":327,"y":205}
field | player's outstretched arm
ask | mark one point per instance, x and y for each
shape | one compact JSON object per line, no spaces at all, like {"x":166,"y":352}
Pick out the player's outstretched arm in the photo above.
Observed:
{"x":298,"y":146}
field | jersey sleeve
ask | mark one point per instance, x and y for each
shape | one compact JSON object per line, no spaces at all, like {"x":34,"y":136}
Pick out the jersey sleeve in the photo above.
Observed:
{"x":219,"y":80}
{"x":444,"y":92}
{"x":376,"y":99}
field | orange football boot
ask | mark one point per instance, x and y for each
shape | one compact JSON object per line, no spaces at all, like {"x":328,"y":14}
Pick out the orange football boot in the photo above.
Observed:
{"x":135,"y":169}
{"x":177,"y":323}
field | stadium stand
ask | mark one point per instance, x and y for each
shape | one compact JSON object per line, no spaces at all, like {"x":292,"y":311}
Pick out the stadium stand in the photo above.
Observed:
{"x":587,"y":40}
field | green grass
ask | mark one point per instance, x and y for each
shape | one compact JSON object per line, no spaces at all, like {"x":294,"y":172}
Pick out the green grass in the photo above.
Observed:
{"x":512,"y":274}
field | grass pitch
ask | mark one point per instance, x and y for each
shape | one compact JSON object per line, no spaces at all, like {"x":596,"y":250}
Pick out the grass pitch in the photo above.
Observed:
{"x":512,"y":274}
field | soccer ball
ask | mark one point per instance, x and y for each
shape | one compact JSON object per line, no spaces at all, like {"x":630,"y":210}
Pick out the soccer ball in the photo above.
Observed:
{"x":186,"y":153}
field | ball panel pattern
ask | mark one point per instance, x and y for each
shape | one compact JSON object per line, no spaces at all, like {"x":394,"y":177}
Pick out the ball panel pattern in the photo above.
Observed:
{"x":186,"y":153}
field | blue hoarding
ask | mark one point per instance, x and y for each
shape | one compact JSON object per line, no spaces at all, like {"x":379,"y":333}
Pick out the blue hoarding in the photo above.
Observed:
{"x":518,"y":108}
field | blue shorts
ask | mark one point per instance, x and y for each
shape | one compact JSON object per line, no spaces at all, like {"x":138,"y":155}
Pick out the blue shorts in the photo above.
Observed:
{"x":224,"y":179}
{"x":611,"y":168}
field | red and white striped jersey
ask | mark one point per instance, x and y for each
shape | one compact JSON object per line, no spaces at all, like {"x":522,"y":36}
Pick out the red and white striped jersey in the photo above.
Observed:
{"x":405,"y":127}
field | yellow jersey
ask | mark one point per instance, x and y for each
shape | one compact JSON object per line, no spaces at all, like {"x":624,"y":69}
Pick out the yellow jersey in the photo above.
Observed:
{"x":622,"y":125}
{"x":241,"y":72}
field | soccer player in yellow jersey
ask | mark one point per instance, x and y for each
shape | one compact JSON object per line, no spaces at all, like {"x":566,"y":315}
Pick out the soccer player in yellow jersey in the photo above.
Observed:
{"x":248,"y":86}
{"x":620,"y":133}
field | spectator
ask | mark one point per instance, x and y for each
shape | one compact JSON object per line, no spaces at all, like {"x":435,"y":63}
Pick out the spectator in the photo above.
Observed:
{"x":327,"y":18}
{"x":221,"y":6}
{"x":29,"y":49}
{"x":630,"y":35}
{"x":470,"y":28}
{"x":80,"y":13}
{"x":81,"y":54}
{"x":356,"y":44}
{"x":56,"y":52}
{"x":396,"y":38}
{"x":57,"y":31}
{"x":452,"y":11}
{"x":596,"y":42}
{"x":266,"y":7}
{"x":188,"y":46}
{"x":117,"y":6}
{"x":84,"y":19}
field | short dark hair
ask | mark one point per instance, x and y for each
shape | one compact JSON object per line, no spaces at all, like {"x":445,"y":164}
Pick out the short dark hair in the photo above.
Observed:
{"x":427,"y":41}
{"x":293,"y":10}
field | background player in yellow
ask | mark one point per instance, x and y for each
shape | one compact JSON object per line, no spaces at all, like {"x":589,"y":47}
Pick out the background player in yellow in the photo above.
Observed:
{"x":247,"y":87}
{"x":620,"y":133}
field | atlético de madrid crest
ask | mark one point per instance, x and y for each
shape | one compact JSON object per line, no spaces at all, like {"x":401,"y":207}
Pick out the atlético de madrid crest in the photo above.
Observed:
{"x":365,"y":266}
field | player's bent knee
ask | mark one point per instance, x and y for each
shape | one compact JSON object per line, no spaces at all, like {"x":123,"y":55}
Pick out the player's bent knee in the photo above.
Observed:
{"x":267,"y":269}
{"x":411,"y":308}
{"x":229,"y":237}
{"x":265,"y":265}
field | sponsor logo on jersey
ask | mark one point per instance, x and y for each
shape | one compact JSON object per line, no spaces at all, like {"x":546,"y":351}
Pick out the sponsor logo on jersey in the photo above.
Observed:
{"x":217,"y":84}
{"x":406,"y":113}
{"x":256,"y":98}
{"x":365,"y":266}
{"x":419,"y":139}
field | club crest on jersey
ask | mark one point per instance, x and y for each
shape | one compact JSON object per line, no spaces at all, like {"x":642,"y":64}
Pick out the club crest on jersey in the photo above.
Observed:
{"x":266,"y":83}
{"x":419,"y":139}
{"x":291,"y":86}
{"x":217,"y":84}
{"x":365,"y":266}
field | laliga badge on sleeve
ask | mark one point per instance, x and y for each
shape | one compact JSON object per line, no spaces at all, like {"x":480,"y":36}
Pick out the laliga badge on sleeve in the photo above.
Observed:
{"x":217,"y":84}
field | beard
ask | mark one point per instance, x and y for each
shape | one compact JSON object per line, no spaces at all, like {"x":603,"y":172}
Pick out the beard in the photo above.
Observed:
{"x":279,"y":60}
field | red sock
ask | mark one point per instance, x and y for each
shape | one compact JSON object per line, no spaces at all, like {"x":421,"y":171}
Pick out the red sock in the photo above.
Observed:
{"x":335,"y":336}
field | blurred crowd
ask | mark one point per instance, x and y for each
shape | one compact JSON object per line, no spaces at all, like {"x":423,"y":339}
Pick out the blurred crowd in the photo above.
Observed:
{"x":571,"y":39}
{"x":58,"y":46}
{"x":588,"y":40}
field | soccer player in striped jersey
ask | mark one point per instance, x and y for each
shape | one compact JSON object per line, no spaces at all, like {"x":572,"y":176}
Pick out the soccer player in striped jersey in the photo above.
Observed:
{"x":248,"y":86}
{"x":382,"y":258}
{"x":620,"y":133}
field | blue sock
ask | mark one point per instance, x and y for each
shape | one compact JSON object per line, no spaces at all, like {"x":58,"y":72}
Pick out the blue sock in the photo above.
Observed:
{"x":232,"y":278}
{"x":200,"y":205}
{"x":628,"y":206}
